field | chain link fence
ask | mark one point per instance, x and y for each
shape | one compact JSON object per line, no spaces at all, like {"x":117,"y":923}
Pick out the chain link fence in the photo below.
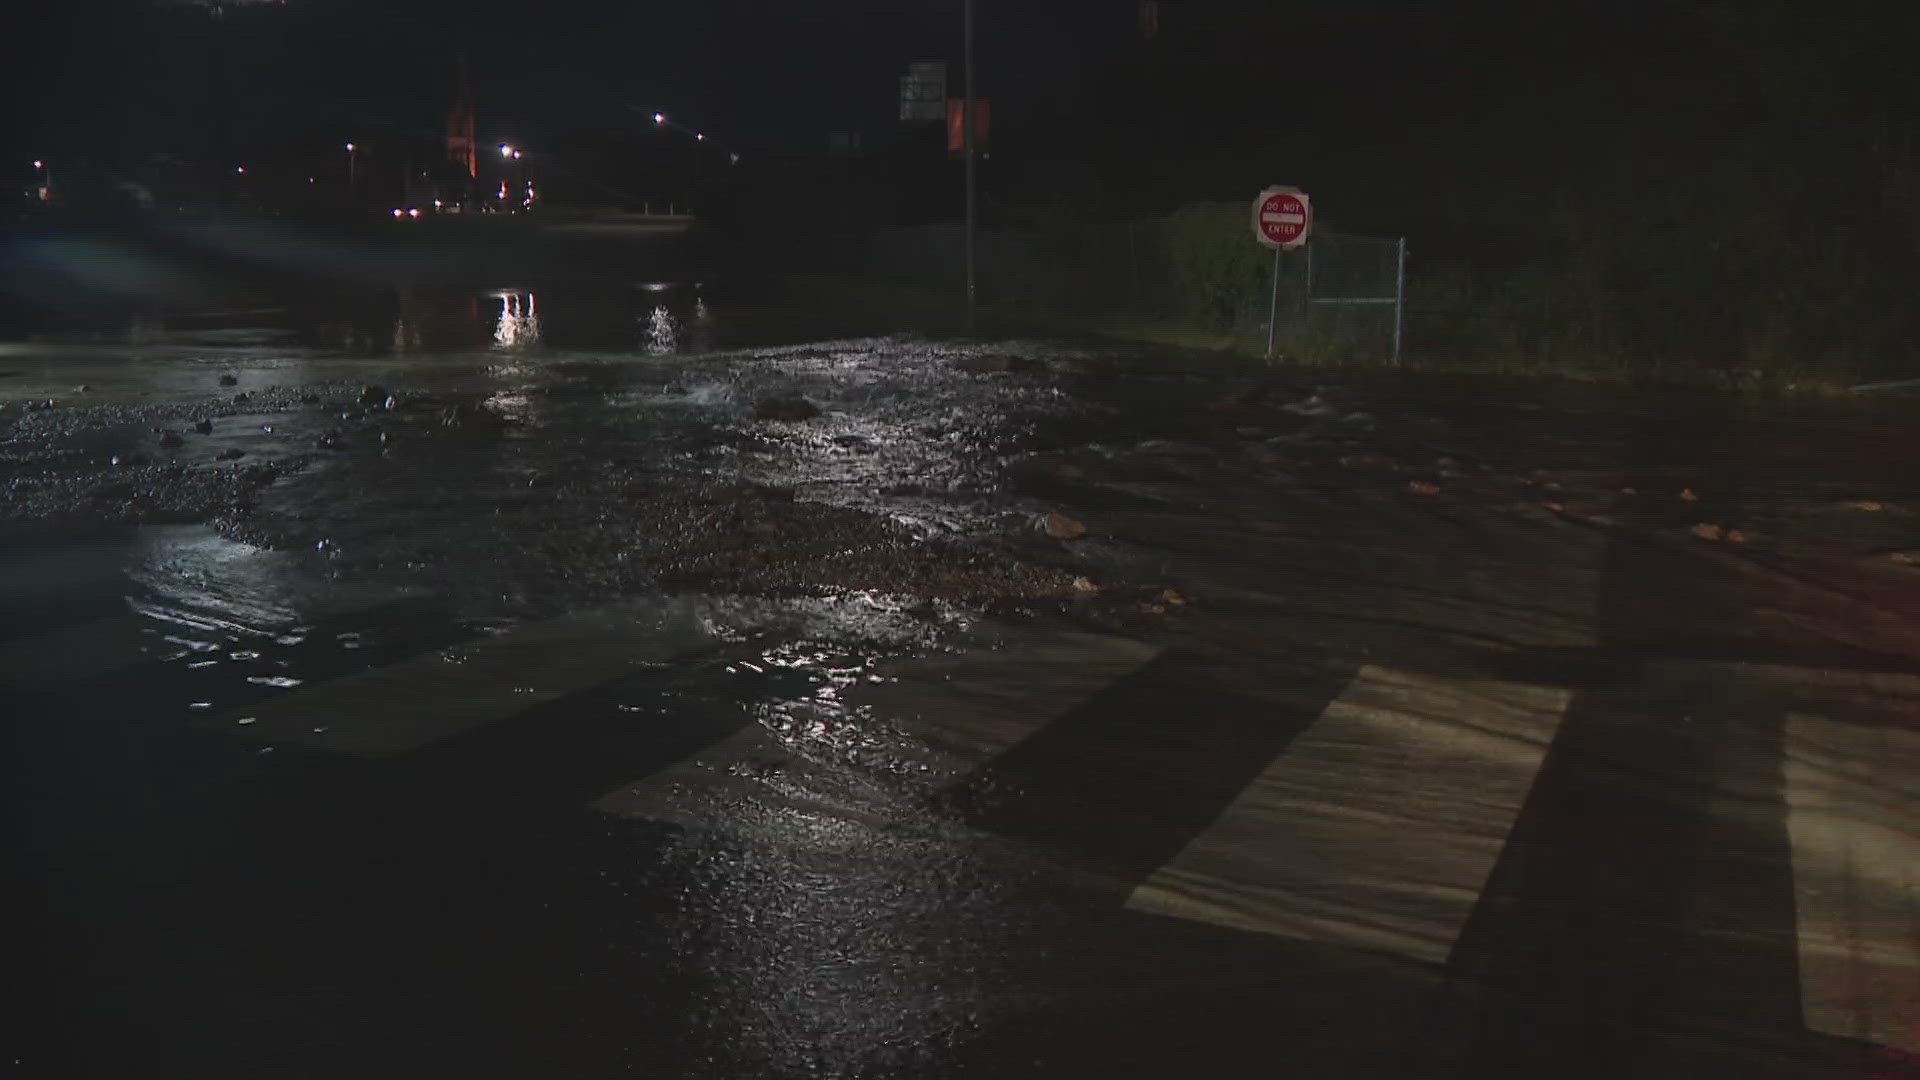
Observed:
{"x":1341,"y":299}
{"x":1361,"y":280}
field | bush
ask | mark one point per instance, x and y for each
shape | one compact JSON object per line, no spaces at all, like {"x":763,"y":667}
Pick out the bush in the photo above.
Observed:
{"x":1219,"y":273}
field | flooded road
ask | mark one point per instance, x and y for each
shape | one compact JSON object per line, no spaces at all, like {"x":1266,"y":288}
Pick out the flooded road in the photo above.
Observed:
{"x":517,"y":682}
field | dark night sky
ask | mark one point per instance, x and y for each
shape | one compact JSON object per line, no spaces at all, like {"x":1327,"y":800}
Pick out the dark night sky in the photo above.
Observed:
{"x":1234,"y":92}
{"x":144,"y":75}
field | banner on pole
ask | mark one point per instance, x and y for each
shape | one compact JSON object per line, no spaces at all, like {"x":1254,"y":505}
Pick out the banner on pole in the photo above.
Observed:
{"x":956,"y":127}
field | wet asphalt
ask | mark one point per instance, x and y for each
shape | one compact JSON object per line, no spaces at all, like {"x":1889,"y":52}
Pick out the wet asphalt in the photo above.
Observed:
{"x":514,"y":707}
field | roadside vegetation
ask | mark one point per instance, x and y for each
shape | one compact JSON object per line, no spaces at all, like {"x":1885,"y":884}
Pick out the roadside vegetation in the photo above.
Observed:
{"x":1708,"y":192}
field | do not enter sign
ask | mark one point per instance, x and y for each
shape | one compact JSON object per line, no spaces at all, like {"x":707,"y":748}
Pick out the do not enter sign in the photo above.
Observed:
{"x":1282,"y":217}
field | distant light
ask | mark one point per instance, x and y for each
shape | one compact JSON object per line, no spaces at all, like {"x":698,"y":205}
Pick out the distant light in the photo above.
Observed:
{"x":397,"y":211}
{"x":413,"y":212}
{"x":241,"y":169}
{"x":38,"y":164}
{"x":436,"y":204}
{"x":349,"y":148}
{"x":309,"y":179}
{"x":505,"y":150}
{"x":516,"y":155}
{"x":702,"y":135}
{"x":659,"y":118}
{"x":733,"y":159}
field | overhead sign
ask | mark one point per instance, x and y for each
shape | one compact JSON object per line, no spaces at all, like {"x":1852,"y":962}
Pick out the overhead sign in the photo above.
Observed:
{"x":1282,"y":217}
{"x":923,"y":92}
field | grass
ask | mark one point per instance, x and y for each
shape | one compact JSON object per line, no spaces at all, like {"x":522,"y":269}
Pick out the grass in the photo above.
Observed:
{"x":867,"y":305}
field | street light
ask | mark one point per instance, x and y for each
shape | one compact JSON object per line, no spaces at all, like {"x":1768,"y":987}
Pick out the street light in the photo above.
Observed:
{"x":352,"y":172}
{"x":659,"y":118}
{"x":512,"y":153}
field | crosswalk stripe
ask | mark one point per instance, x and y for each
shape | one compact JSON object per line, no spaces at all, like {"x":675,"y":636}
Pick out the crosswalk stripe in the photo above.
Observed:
{"x":156,"y":641}
{"x":75,"y":652}
{"x":682,"y":792}
{"x":1379,"y":825}
{"x":751,"y":784}
{"x":950,"y":711}
{"x":1853,"y":817}
{"x":388,"y":711}
{"x":1118,"y":784}
{"x":977,"y":705}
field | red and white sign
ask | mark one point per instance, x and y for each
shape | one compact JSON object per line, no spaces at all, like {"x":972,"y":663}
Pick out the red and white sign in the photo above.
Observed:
{"x":1282,"y":217}
{"x":957,"y":128}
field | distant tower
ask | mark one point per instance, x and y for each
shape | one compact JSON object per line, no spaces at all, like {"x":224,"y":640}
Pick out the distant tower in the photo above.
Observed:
{"x":461,"y":145}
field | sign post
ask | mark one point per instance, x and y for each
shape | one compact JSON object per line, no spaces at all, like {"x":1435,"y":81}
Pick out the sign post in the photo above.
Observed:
{"x":969,"y":95}
{"x":1282,"y":220}
{"x":1273,"y":303}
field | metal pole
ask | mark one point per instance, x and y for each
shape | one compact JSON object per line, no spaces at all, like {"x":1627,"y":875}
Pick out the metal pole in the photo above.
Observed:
{"x":1400,"y":301}
{"x":1273,"y":306}
{"x":973,"y":178}
{"x":1133,"y":266}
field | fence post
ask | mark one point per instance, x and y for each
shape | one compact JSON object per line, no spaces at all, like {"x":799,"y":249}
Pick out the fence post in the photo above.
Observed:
{"x":1133,"y":267}
{"x":1400,"y":301}
{"x":1273,"y":305}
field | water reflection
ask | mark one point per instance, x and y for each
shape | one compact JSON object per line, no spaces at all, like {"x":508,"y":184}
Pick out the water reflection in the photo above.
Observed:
{"x":677,"y":319}
{"x":513,"y":405}
{"x":194,"y":577}
{"x":649,"y":320}
{"x":406,"y":330}
{"x":518,"y":325}
{"x":663,"y":331}
{"x":421,"y":322}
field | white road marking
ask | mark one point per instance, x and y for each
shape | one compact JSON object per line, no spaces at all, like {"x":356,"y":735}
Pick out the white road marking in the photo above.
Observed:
{"x":673,"y":794}
{"x":976,"y":705}
{"x":751,"y":784}
{"x":938,"y":716}
{"x":1853,"y":818}
{"x":391,"y":710}
{"x":1379,"y":826}
{"x":76,"y":653}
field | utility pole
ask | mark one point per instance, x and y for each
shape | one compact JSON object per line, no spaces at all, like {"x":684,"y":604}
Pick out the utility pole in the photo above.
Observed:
{"x":973,"y":178}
